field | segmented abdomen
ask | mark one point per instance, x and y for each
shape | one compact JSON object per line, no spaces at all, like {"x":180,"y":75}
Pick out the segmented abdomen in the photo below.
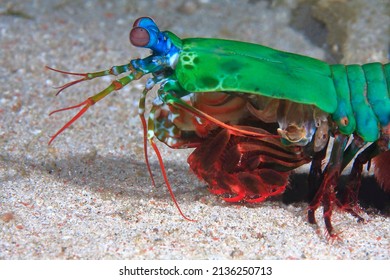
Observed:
{"x":363,"y":98}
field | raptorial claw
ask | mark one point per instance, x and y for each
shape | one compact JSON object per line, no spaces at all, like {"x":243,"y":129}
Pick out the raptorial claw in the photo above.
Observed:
{"x":87,"y":103}
{"x":65,"y":86}
{"x":115,"y":85}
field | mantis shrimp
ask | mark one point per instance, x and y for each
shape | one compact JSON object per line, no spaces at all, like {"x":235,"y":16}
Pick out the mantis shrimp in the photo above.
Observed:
{"x":253,"y":114}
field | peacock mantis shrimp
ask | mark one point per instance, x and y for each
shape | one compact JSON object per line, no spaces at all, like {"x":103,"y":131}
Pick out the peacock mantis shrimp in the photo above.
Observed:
{"x":254,"y":114}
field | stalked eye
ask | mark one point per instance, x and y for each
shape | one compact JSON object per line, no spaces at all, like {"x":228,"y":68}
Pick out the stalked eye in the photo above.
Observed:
{"x":139,"y":36}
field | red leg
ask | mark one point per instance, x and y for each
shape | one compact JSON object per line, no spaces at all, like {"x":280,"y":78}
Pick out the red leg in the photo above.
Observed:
{"x":325,"y":195}
{"x":381,"y":170}
{"x":350,"y":200}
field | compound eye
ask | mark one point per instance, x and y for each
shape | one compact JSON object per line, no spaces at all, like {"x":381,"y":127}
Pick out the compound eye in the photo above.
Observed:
{"x":139,"y":36}
{"x":136,"y":23}
{"x":142,"y":21}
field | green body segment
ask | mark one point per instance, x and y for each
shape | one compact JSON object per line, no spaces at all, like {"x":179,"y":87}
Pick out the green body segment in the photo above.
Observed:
{"x":344,"y":115}
{"x":207,"y":65}
{"x":363,"y":99}
{"x":386,"y":70}
{"x":367,"y":124}
{"x":377,"y":93}
{"x":356,"y":97}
